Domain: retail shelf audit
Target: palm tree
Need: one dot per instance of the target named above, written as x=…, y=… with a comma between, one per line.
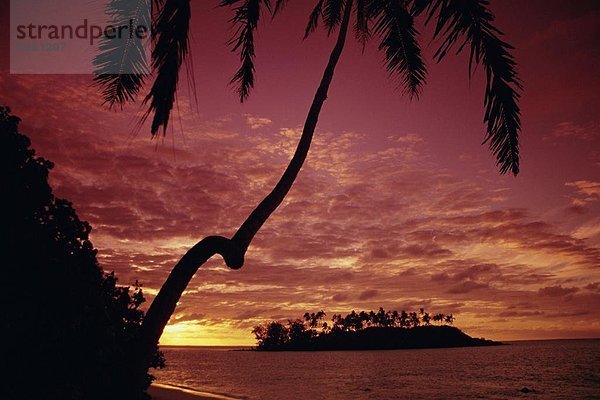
x=414, y=319
x=404, y=320
x=353, y=321
x=395, y=318
x=372, y=318
x=364, y=319
x=439, y=318
x=313, y=319
x=338, y=322
x=382, y=319
x=426, y=318
x=459, y=24
x=307, y=318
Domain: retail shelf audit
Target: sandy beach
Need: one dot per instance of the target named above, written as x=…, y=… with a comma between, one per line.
x=160, y=391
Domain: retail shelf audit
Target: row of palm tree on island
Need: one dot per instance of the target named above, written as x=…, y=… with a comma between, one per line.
x=311, y=326
x=385, y=319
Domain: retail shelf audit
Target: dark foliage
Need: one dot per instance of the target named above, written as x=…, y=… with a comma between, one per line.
x=377, y=338
x=459, y=24
x=246, y=17
x=470, y=24
x=67, y=324
x=122, y=55
x=395, y=25
x=364, y=331
x=170, y=34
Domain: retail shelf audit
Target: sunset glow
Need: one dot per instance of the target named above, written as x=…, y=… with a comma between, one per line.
x=398, y=206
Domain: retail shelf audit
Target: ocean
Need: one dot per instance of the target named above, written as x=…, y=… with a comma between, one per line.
x=555, y=369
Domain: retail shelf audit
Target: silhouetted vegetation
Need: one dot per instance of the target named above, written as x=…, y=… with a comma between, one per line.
x=364, y=330
x=460, y=26
x=68, y=326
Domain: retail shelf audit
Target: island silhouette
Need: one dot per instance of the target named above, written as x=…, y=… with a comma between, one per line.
x=381, y=330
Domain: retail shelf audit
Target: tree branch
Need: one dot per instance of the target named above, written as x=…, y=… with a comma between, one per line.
x=233, y=250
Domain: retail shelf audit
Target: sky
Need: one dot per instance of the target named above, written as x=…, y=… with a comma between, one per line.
x=398, y=205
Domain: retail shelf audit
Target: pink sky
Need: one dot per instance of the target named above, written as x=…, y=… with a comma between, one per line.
x=398, y=205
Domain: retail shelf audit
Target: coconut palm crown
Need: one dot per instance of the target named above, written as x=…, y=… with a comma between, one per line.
x=459, y=25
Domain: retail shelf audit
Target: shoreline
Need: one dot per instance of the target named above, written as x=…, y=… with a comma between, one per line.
x=163, y=391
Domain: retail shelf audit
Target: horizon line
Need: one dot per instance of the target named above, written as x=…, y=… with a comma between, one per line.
x=249, y=346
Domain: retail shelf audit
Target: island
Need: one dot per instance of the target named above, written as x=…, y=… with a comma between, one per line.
x=381, y=330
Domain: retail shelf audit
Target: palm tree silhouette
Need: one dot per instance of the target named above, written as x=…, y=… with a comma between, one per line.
x=414, y=319
x=404, y=320
x=459, y=25
x=439, y=318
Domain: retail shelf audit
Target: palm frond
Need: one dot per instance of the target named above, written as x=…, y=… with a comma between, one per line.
x=470, y=22
x=417, y=7
x=361, y=26
x=246, y=17
x=121, y=63
x=118, y=89
x=279, y=5
x=395, y=25
x=171, y=47
x=332, y=14
x=313, y=19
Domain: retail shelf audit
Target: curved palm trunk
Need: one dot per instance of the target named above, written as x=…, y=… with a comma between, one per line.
x=233, y=250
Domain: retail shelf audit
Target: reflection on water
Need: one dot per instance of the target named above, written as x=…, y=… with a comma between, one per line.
x=563, y=369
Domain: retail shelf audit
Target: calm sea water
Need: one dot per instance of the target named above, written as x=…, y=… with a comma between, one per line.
x=562, y=369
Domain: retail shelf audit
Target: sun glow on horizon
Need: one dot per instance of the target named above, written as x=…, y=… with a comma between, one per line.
x=193, y=333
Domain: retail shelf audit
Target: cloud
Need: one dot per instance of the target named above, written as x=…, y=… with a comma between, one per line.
x=587, y=192
x=339, y=297
x=257, y=122
x=441, y=277
x=368, y=294
x=595, y=287
x=359, y=216
x=467, y=287
x=519, y=314
x=475, y=271
x=571, y=130
x=557, y=291
x=182, y=317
